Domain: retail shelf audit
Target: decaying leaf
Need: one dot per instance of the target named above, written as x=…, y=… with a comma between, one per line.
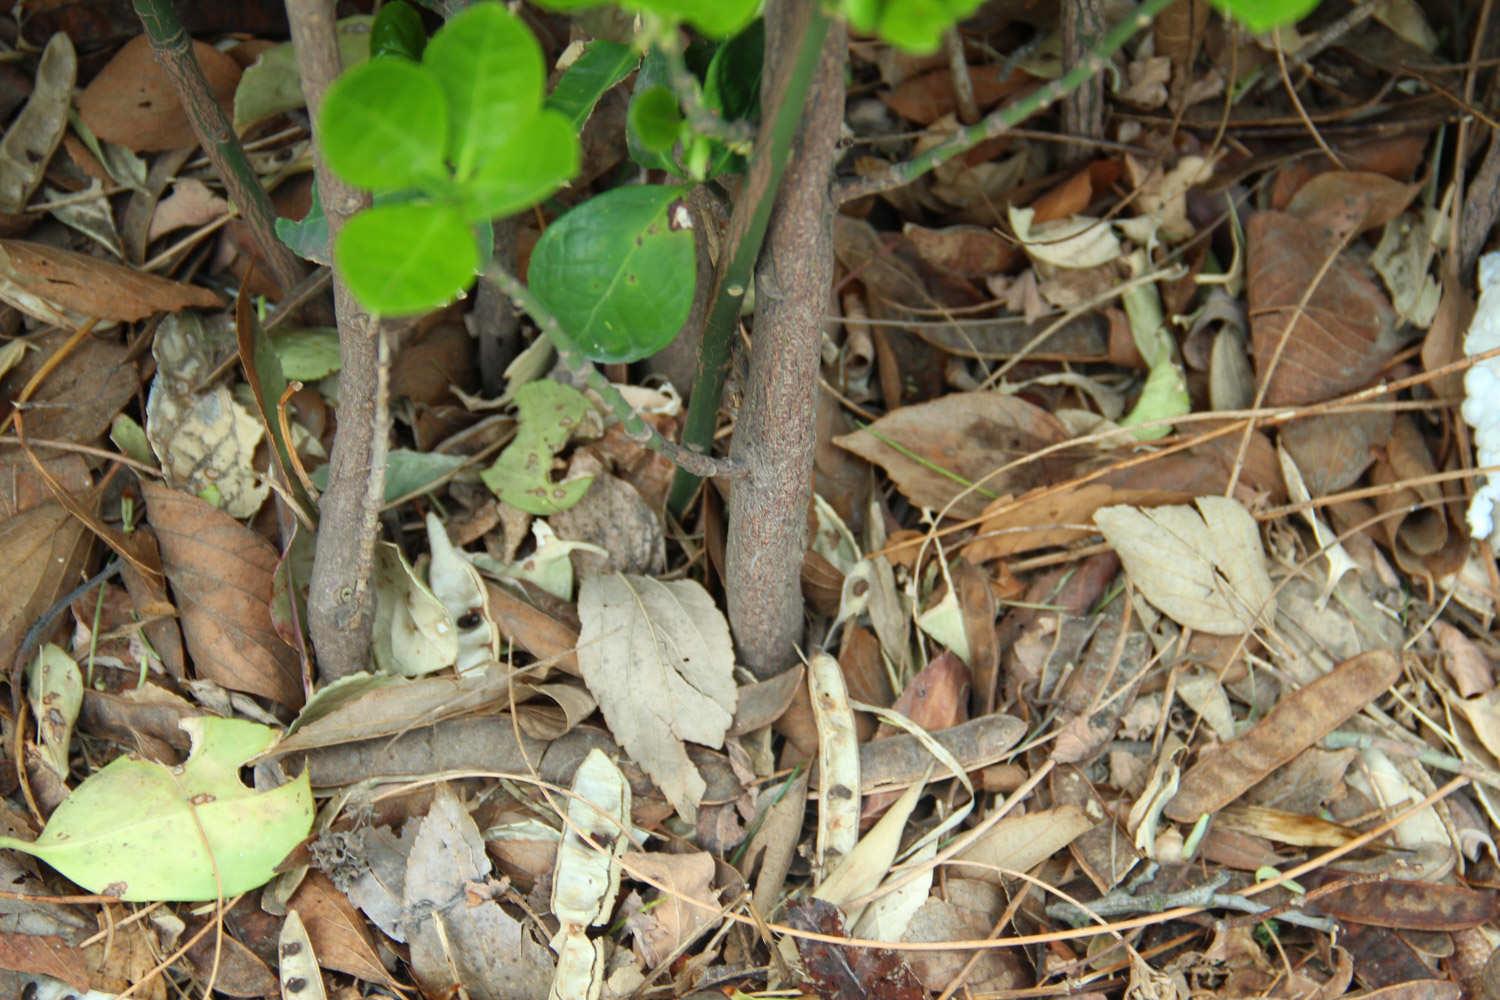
x=55, y=690
x=1204, y=568
x=587, y=879
x=66, y=288
x=456, y=584
x=33, y=137
x=675, y=918
x=657, y=657
x=413, y=633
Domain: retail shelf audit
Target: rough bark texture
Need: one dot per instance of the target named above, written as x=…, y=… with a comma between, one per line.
x=774, y=435
x=1083, y=109
x=340, y=603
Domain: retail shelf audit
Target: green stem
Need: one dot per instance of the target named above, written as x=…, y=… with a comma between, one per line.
x=174, y=50
x=1003, y=119
x=737, y=135
x=583, y=369
x=747, y=230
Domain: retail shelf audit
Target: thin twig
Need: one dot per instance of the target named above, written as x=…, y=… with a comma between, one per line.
x=1000, y=121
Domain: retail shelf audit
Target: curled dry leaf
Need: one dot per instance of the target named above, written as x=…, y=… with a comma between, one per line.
x=1299, y=720
x=657, y=657
x=1204, y=568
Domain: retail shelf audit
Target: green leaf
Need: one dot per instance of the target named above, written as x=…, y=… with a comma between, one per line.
x=401, y=259
x=715, y=18
x=130, y=438
x=271, y=85
x=731, y=86
x=602, y=65
x=406, y=471
x=491, y=69
x=914, y=25
x=143, y=831
x=384, y=125
x=655, y=119
x=308, y=236
x=522, y=475
x=398, y=31
x=1263, y=15
x=653, y=73
x=618, y=271
x=307, y=355
x=524, y=168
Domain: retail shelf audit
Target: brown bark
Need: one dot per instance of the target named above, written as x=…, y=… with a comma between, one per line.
x=340, y=603
x=774, y=435
x=1083, y=109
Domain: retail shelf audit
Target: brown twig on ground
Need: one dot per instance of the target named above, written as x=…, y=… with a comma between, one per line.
x=340, y=604
x=774, y=434
x=173, y=48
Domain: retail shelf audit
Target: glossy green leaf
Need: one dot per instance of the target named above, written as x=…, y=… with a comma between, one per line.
x=401, y=259
x=143, y=831
x=523, y=169
x=1263, y=15
x=715, y=18
x=602, y=65
x=521, y=476
x=398, y=31
x=618, y=271
x=384, y=125
x=652, y=74
x=731, y=85
x=308, y=236
x=655, y=119
x=490, y=66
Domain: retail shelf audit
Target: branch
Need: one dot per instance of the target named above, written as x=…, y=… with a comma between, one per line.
x=787, y=94
x=173, y=48
x=580, y=367
x=1002, y=119
x=340, y=603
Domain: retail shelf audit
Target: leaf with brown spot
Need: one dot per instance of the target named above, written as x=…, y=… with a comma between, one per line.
x=1346, y=332
x=1300, y=719
x=66, y=288
x=934, y=450
x=132, y=100
x=221, y=574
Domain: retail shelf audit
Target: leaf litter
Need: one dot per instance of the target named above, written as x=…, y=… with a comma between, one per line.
x=1199, y=700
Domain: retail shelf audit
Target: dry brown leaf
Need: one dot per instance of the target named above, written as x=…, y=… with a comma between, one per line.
x=1375, y=198
x=65, y=288
x=32, y=138
x=925, y=98
x=1334, y=449
x=1019, y=843
x=221, y=575
x=535, y=631
x=1344, y=335
x=1225, y=772
x=44, y=549
x=339, y=935
x=679, y=915
x=961, y=439
x=44, y=955
x=132, y=101
x=191, y=203
x=967, y=251
x=1408, y=904
x=79, y=398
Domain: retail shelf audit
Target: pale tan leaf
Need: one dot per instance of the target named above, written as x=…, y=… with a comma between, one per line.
x=413, y=633
x=657, y=657
x=677, y=917
x=1019, y=843
x=1203, y=568
x=456, y=583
